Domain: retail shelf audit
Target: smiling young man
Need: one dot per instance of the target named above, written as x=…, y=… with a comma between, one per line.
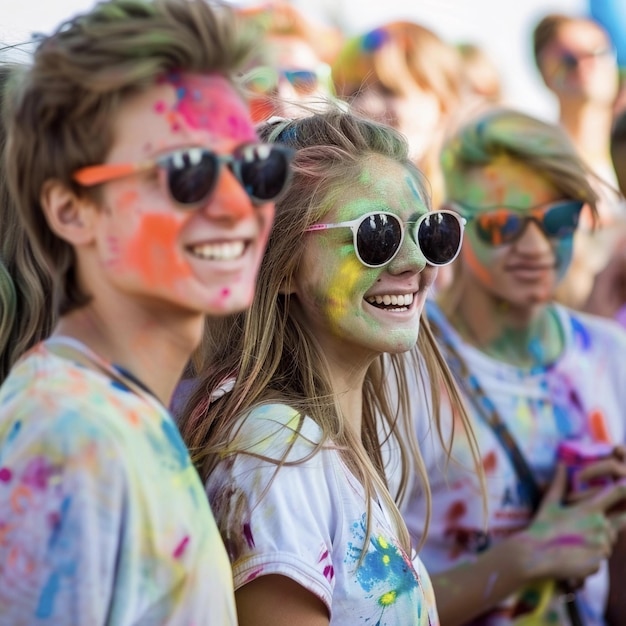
x=140, y=179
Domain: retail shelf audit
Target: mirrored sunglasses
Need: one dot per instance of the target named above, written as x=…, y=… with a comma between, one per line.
x=501, y=226
x=191, y=174
x=378, y=236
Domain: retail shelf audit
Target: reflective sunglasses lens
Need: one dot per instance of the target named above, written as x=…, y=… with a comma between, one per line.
x=499, y=227
x=439, y=237
x=378, y=238
x=191, y=175
x=263, y=171
x=303, y=81
x=561, y=220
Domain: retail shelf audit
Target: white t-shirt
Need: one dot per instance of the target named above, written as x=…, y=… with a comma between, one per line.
x=103, y=518
x=581, y=396
x=307, y=522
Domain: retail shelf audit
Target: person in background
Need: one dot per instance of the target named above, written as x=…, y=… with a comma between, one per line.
x=297, y=81
x=577, y=63
x=292, y=400
x=26, y=283
x=608, y=297
x=533, y=374
x=136, y=172
x=481, y=74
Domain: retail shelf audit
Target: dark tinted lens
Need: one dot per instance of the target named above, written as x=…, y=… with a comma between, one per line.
x=439, y=237
x=263, y=171
x=499, y=227
x=191, y=175
x=561, y=220
x=378, y=238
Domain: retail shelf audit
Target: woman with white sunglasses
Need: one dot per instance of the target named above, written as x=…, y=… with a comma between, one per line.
x=542, y=383
x=284, y=423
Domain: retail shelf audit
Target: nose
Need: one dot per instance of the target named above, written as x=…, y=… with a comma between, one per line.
x=229, y=201
x=409, y=258
x=284, y=89
x=533, y=241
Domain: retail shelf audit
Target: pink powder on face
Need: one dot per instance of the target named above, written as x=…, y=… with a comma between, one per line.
x=211, y=103
x=568, y=540
x=159, y=107
x=225, y=292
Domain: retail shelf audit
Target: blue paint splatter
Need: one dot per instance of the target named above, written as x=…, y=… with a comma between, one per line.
x=173, y=436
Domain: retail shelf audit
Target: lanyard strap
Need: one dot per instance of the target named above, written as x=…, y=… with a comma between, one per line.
x=488, y=412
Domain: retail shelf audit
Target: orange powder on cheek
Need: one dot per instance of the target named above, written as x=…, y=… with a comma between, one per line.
x=153, y=252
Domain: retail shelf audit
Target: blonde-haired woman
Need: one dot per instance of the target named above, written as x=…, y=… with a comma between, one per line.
x=534, y=375
x=284, y=425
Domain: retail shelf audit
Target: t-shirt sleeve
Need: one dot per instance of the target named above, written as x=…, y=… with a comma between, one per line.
x=61, y=505
x=278, y=520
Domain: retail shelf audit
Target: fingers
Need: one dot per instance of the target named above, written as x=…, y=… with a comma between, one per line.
x=611, y=467
x=607, y=497
x=558, y=488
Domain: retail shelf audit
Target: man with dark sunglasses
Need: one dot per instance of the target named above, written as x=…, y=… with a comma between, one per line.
x=140, y=180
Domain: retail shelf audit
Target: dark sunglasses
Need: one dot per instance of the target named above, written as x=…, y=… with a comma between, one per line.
x=378, y=236
x=191, y=174
x=571, y=60
x=501, y=226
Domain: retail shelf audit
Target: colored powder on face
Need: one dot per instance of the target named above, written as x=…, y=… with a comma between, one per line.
x=225, y=292
x=5, y=475
x=153, y=251
x=159, y=106
x=344, y=281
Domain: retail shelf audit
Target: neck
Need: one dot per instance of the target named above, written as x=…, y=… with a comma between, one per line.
x=589, y=126
x=347, y=381
x=154, y=352
x=522, y=336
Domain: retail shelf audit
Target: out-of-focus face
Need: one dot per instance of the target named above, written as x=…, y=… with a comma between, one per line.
x=416, y=113
x=580, y=63
x=201, y=259
x=524, y=272
x=297, y=83
x=353, y=310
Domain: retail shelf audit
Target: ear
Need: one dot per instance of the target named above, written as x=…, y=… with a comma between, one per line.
x=68, y=215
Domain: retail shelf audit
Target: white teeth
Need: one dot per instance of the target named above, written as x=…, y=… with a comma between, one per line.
x=226, y=251
x=401, y=301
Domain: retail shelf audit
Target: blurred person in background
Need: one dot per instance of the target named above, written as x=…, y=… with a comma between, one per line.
x=298, y=80
x=481, y=73
x=533, y=374
x=577, y=62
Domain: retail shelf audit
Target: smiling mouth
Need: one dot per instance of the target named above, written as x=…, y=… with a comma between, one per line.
x=391, y=303
x=223, y=251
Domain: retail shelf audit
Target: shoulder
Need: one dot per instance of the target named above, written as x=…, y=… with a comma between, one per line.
x=277, y=431
x=586, y=332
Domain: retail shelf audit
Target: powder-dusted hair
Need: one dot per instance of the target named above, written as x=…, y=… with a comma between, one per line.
x=271, y=353
x=396, y=54
x=543, y=147
x=61, y=113
x=26, y=310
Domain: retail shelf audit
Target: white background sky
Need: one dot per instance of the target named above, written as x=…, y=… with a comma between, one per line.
x=502, y=27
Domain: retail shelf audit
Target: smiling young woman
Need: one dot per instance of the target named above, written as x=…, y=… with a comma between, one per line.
x=293, y=403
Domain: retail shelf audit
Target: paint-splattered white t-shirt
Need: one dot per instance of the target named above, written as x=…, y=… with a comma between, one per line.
x=309, y=525
x=581, y=396
x=103, y=519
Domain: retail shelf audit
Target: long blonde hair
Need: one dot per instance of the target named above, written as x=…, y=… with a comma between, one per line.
x=272, y=355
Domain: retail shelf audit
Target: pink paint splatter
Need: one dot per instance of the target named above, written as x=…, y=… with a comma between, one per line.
x=568, y=540
x=160, y=106
x=181, y=547
x=329, y=572
x=5, y=474
x=225, y=292
x=252, y=575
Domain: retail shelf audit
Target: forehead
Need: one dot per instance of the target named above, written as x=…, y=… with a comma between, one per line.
x=292, y=52
x=505, y=182
x=382, y=184
x=579, y=35
x=185, y=108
